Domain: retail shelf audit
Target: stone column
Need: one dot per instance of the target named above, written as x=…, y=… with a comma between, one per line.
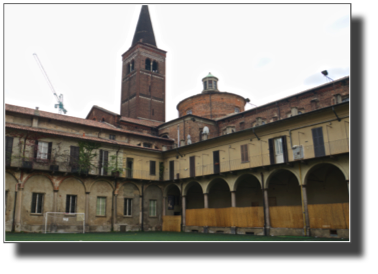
x=233, y=199
x=183, y=210
x=87, y=211
x=266, y=215
x=347, y=181
x=140, y=210
x=306, y=218
x=114, y=213
x=17, y=217
x=55, y=200
x=164, y=205
x=206, y=200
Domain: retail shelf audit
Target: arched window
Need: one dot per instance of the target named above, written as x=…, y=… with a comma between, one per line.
x=94, y=119
x=132, y=66
x=155, y=66
x=148, y=64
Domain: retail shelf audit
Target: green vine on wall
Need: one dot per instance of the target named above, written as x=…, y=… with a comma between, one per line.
x=86, y=155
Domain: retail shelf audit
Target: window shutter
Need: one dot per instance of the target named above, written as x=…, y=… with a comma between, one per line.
x=100, y=162
x=35, y=149
x=317, y=136
x=34, y=200
x=271, y=151
x=40, y=201
x=68, y=203
x=106, y=162
x=152, y=167
x=73, y=205
x=284, y=147
x=49, y=151
x=9, y=145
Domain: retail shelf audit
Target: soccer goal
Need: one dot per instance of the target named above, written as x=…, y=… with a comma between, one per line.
x=61, y=222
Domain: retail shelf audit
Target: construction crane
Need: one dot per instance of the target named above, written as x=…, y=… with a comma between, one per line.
x=59, y=98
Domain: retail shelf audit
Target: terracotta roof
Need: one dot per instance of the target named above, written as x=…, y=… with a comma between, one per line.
x=147, y=123
x=103, y=109
x=71, y=119
x=72, y=135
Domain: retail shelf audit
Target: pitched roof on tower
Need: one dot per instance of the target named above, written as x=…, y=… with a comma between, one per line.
x=144, y=32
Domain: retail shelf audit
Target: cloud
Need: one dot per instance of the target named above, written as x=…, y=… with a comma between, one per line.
x=263, y=62
x=340, y=24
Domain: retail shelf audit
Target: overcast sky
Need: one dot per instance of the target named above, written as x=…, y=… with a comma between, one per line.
x=261, y=52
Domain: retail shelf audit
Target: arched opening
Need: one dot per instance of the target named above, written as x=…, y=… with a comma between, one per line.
x=10, y=196
x=248, y=191
x=219, y=194
x=284, y=199
x=173, y=201
x=132, y=66
x=148, y=64
x=128, y=207
x=152, y=208
x=327, y=198
x=194, y=196
x=155, y=66
x=100, y=207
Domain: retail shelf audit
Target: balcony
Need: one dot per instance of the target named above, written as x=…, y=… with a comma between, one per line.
x=306, y=152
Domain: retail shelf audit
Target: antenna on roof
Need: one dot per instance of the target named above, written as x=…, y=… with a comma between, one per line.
x=325, y=73
x=58, y=98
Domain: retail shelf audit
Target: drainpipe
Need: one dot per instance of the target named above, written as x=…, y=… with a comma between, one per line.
x=14, y=209
x=333, y=109
x=253, y=130
x=141, y=225
x=290, y=130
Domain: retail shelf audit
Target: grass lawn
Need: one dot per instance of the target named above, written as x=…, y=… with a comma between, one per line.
x=153, y=236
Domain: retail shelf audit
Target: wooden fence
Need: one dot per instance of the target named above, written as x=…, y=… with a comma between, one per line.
x=331, y=216
x=172, y=223
x=226, y=217
x=286, y=216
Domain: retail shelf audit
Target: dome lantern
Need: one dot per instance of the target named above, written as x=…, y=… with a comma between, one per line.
x=210, y=83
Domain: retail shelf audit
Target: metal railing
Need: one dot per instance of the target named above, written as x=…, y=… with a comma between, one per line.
x=308, y=152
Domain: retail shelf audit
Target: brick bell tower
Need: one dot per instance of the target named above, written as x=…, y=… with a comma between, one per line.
x=143, y=74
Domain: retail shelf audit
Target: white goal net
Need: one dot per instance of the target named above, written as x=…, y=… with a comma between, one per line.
x=61, y=222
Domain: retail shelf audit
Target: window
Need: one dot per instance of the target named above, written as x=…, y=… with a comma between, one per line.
x=189, y=111
x=71, y=203
x=8, y=150
x=43, y=150
x=152, y=209
x=192, y=163
x=205, y=85
x=129, y=167
x=101, y=206
x=147, y=145
x=37, y=202
x=112, y=137
x=74, y=159
x=152, y=168
x=237, y=109
x=127, y=207
x=154, y=66
x=244, y=153
x=103, y=162
x=345, y=99
x=278, y=150
x=171, y=170
x=210, y=83
x=317, y=137
x=215, y=85
x=132, y=66
x=148, y=64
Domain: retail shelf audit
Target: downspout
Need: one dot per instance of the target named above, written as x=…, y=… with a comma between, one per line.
x=141, y=225
x=333, y=109
x=14, y=209
x=262, y=183
x=290, y=130
x=181, y=208
x=253, y=130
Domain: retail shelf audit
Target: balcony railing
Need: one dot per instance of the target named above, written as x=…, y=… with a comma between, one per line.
x=306, y=152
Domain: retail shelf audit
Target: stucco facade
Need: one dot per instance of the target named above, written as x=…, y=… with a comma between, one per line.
x=277, y=169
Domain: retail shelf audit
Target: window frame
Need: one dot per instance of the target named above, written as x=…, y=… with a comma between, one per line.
x=244, y=153
x=153, y=170
x=70, y=204
x=150, y=209
x=37, y=197
x=128, y=207
x=104, y=205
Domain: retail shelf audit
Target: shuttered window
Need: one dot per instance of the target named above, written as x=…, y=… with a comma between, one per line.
x=8, y=153
x=244, y=153
x=192, y=166
x=152, y=168
x=278, y=150
x=103, y=162
x=74, y=158
x=171, y=170
x=317, y=137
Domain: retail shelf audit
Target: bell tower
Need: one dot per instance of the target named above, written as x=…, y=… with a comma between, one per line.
x=143, y=74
